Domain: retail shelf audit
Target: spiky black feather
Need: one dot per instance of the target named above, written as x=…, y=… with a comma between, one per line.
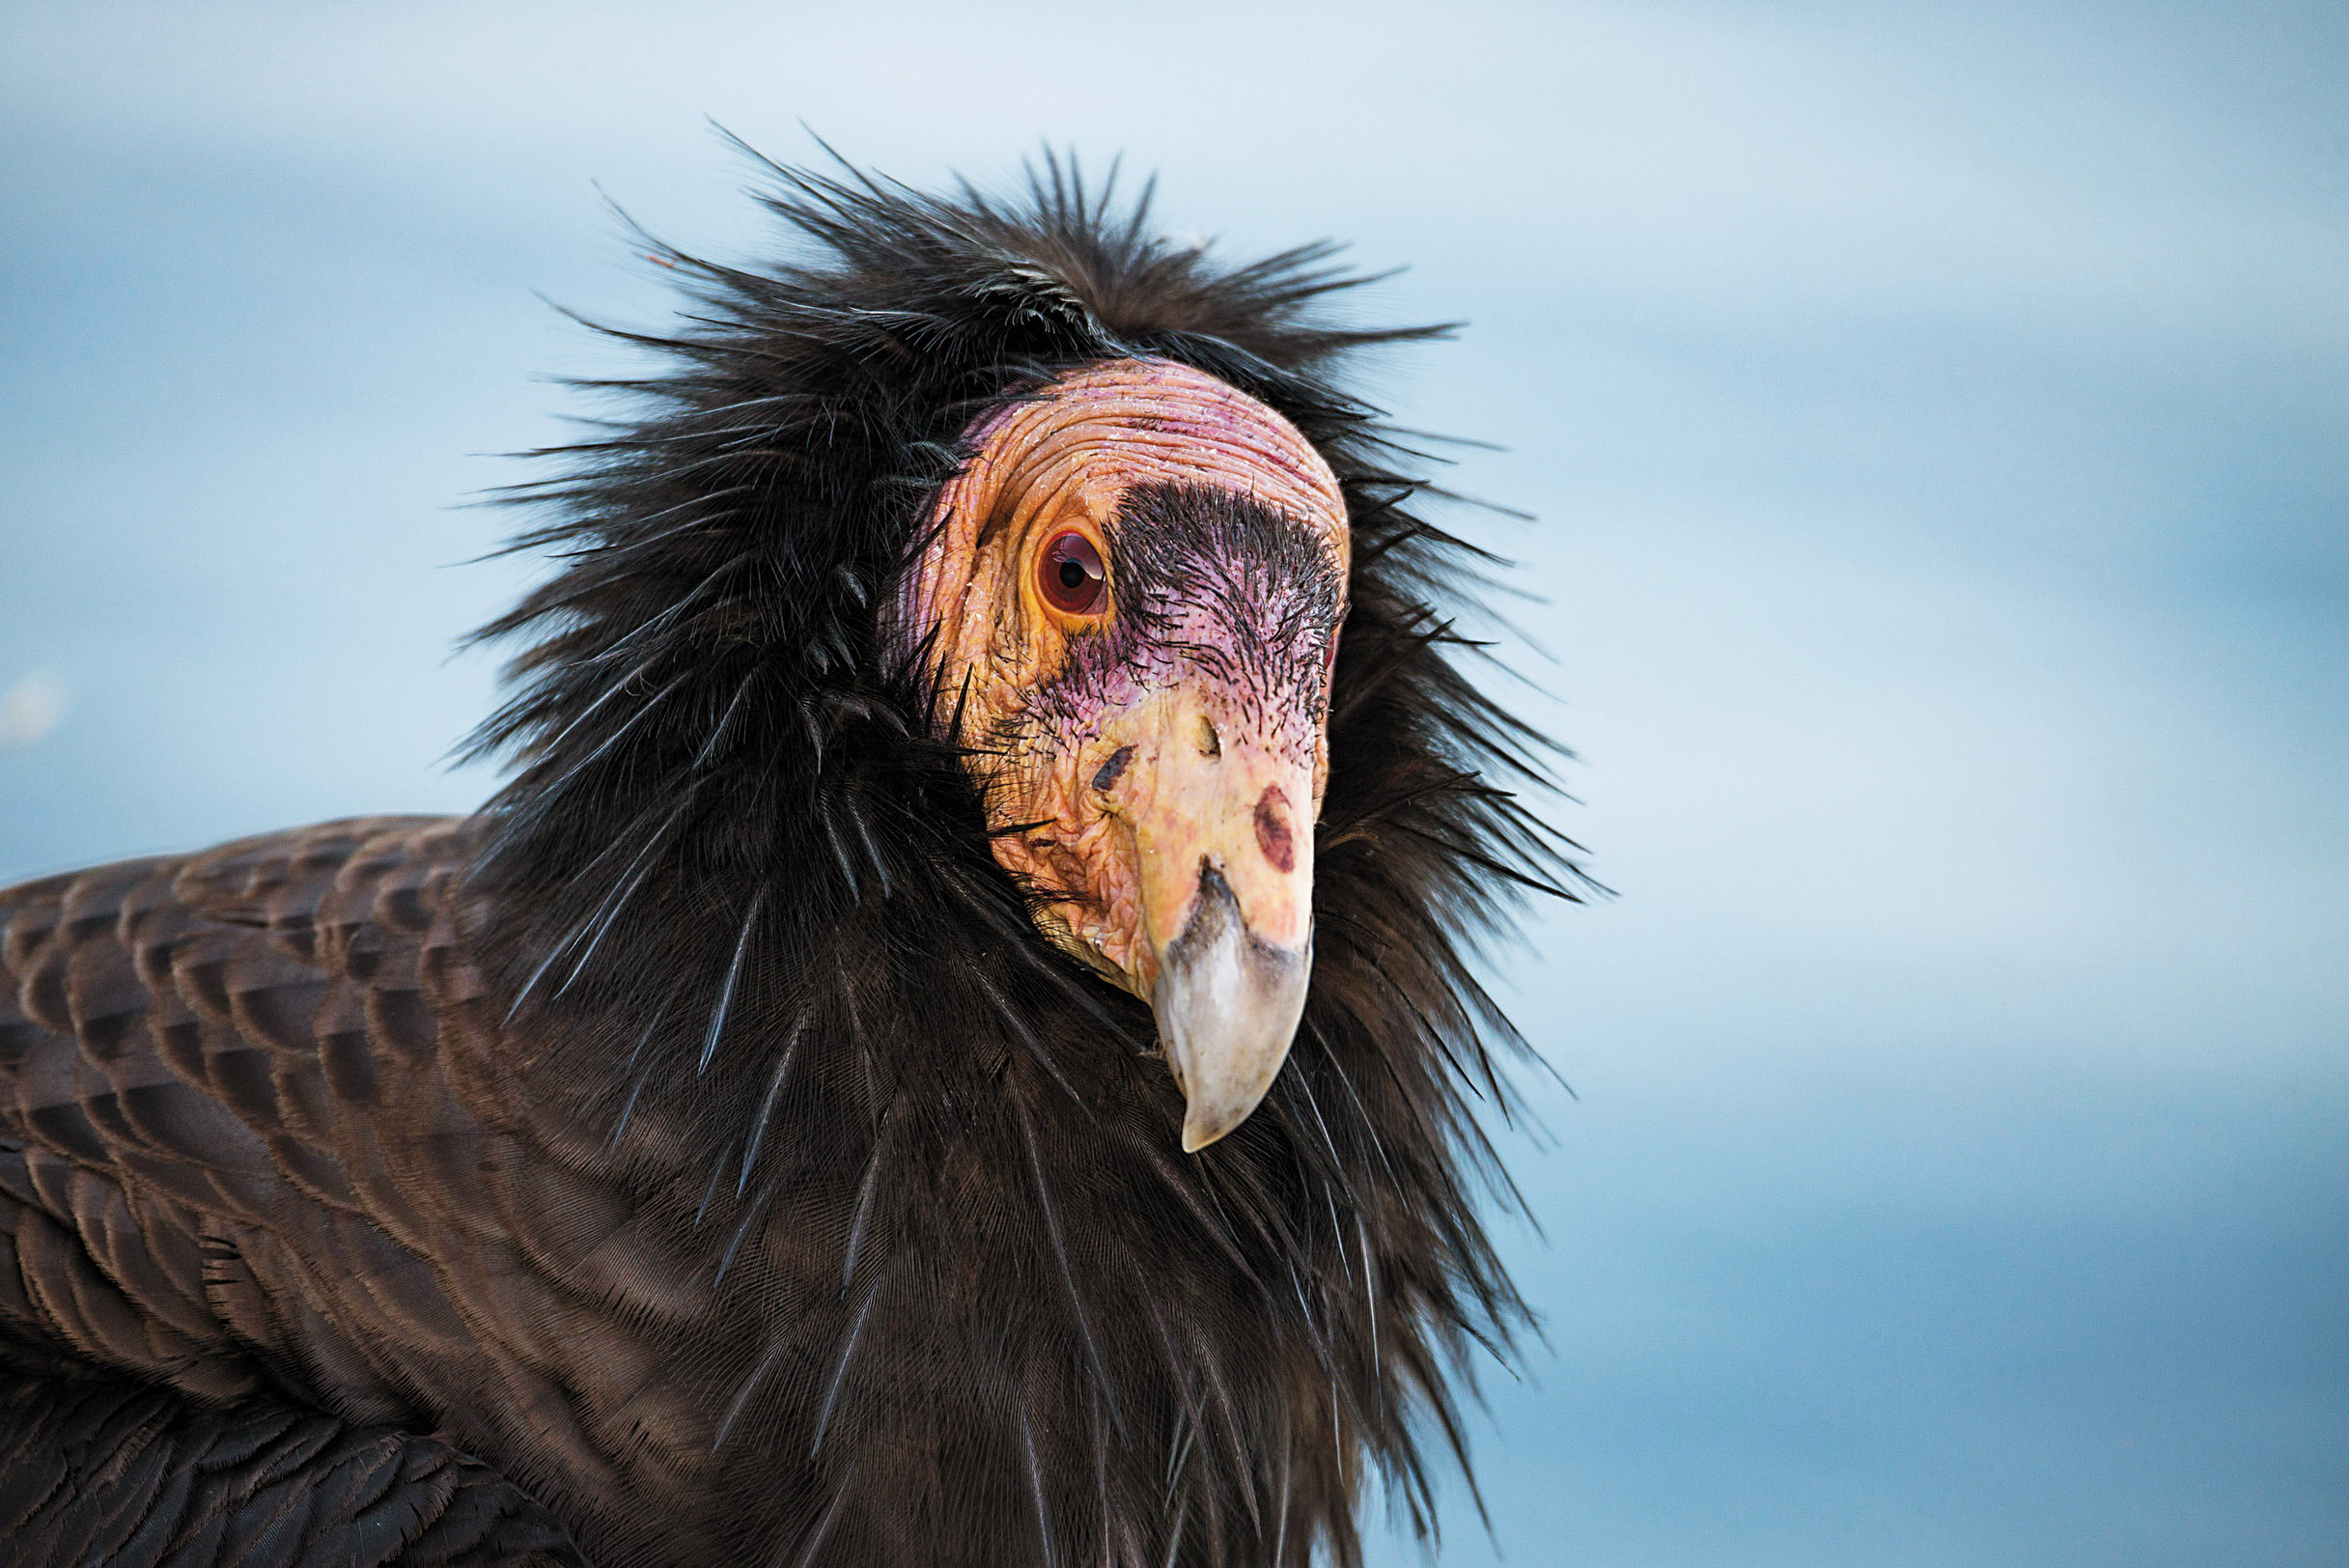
x=730, y=816
x=704, y=1138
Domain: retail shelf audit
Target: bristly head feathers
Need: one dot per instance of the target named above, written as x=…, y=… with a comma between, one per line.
x=739, y=898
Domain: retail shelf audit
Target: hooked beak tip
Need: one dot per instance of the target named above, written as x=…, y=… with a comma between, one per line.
x=1227, y=1006
x=1198, y=1133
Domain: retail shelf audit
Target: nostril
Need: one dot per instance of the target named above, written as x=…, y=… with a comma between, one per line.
x=1273, y=834
x=1115, y=768
x=1211, y=745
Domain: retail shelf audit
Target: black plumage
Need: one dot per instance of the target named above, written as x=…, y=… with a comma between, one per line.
x=698, y=1156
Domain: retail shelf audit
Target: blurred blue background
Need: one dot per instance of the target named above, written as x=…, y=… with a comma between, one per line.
x=1935, y=416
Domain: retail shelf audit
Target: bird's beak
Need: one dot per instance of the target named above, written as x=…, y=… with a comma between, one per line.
x=1222, y=829
x=1227, y=1003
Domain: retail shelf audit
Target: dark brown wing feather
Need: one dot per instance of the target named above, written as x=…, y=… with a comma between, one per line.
x=137, y=1477
x=235, y=1167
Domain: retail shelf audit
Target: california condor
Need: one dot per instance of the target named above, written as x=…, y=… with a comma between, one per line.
x=955, y=1043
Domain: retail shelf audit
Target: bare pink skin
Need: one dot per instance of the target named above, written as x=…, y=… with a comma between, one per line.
x=1125, y=776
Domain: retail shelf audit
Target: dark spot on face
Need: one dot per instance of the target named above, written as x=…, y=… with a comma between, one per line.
x=1273, y=829
x=1115, y=768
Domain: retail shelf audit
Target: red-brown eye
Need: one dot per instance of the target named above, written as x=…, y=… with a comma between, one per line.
x=1071, y=577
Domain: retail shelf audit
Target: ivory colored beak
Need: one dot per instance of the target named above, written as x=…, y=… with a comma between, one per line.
x=1223, y=831
x=1227, y=1004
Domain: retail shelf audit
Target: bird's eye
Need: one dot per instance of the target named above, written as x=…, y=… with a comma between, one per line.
x=1071, y=577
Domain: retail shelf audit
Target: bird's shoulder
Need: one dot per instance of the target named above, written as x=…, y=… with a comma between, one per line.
x=196, y=1052
x=265, y=1132
x=262, y=978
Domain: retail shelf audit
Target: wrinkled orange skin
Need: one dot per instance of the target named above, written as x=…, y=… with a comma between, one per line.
x=1062, y=458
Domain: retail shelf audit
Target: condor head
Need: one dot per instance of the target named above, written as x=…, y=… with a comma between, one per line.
x=1126, y=603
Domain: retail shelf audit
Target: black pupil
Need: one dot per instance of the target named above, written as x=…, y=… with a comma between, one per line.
x=1072, y=575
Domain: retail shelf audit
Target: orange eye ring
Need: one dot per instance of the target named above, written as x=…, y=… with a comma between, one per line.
x=1071, y=576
